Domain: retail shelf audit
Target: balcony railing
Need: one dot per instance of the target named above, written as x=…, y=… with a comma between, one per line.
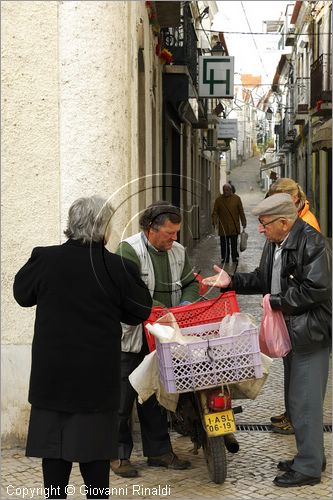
x=321, y=87
x=281, y=132
x=302, y=95
x=181, y=41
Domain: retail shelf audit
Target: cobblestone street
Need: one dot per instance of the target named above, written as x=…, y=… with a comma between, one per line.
x=252, y=469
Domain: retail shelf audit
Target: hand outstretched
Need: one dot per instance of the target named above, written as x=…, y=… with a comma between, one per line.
x=220, y=280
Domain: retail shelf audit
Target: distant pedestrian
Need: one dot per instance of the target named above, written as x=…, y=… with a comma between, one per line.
x=273, y=176
x=295, y=269
x=227, y=214
x=82, y=293
x=233, y=189
x=281, y=424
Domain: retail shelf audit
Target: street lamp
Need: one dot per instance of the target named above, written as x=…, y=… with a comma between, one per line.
x=278, y=117
x=269, y=114
x=218, y=49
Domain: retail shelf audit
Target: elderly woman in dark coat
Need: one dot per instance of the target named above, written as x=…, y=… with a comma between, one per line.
x=82, y=293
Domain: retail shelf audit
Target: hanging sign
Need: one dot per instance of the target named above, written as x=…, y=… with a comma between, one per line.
x=216, y=76
x=227, y=129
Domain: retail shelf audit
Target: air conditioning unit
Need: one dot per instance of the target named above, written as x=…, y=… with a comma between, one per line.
x=211, y=144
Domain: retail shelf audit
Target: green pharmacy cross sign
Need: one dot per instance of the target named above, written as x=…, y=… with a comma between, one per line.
x=216, y=76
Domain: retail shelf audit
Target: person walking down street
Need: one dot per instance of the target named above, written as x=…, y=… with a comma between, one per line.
x=233, y=189
x=165, y=268
x=82, y=293
x=273, y=176
x=227, y=214
x=281, y=424
x=295, y=269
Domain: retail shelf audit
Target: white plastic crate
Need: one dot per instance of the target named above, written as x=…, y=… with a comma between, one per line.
x=210, y=361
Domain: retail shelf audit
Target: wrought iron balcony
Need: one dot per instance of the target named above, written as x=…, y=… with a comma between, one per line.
x=302, y=95
x=290, y=37
x=285, y=135
x=321, y=86
x=181, y=41
x=301, y=99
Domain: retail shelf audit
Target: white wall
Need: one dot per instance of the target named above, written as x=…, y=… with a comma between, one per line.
x=70, y=129
x=30, y=179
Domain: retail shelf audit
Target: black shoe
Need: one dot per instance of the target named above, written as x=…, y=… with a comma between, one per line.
x=294, y=478
x=169, y=460
x=285, y=465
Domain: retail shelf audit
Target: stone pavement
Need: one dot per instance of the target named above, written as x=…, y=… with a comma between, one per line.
x=252, y=469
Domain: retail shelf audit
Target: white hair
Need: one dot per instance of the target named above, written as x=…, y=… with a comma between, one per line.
x=88, y=219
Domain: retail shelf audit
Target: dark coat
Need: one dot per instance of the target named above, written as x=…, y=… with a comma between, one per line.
x=305, y=297
x=227, y=212
x=82, y=293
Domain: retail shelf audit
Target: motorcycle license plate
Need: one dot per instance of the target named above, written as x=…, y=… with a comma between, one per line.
x=220, y=423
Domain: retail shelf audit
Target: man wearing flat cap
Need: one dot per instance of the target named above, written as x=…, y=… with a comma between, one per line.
x=295, y=269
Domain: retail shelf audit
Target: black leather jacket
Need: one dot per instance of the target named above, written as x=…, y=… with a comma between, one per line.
x=305, y=297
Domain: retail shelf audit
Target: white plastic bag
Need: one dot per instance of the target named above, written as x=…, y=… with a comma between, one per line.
x=145, y=380
x=236, y=323
x=166, y=329
x=243, y=241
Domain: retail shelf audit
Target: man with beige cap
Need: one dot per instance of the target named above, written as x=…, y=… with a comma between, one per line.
x=295, y=269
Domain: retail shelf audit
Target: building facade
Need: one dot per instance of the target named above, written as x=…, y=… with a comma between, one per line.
x=302, y=102
x=98, y=98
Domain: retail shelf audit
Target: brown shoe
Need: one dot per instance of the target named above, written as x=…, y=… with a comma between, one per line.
x=283, y=427
x=278, y=418
x=169, y=460
x=123, y=468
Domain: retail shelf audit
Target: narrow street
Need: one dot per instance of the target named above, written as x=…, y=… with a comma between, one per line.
x=252, y=469
x=114, y=106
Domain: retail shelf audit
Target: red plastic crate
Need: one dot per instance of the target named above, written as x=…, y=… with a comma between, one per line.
x=199, y=313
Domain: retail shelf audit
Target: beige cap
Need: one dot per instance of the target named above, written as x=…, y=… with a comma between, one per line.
x=278, y=204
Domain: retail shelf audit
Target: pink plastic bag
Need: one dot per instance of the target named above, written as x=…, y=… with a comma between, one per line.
x=274, y=338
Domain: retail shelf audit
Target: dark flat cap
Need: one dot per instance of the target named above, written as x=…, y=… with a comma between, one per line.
x=277, y=204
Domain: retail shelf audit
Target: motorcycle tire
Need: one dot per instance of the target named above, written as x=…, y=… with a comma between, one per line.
x=216, y=459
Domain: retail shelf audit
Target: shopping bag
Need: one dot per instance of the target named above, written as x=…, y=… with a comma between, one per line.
x=236, y=324
x=250, y=389
x=274, y=340
x=243, y=241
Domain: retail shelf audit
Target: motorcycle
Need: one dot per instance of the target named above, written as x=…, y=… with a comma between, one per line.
x=204, y=411
x=207, y=417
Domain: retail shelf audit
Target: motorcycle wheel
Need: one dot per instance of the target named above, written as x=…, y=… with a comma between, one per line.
x=215, y=455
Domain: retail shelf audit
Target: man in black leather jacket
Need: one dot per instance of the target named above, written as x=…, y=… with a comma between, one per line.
x=295, y=269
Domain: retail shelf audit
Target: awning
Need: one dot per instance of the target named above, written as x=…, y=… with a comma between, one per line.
x=273, y=164
x=322, y=136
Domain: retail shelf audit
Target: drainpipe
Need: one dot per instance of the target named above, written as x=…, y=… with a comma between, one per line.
x=326, y=48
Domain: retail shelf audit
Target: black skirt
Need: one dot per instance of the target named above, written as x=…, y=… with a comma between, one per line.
x=75, y=437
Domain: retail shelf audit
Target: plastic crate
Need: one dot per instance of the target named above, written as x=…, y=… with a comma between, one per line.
x=206, y=311
x=209, y=361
